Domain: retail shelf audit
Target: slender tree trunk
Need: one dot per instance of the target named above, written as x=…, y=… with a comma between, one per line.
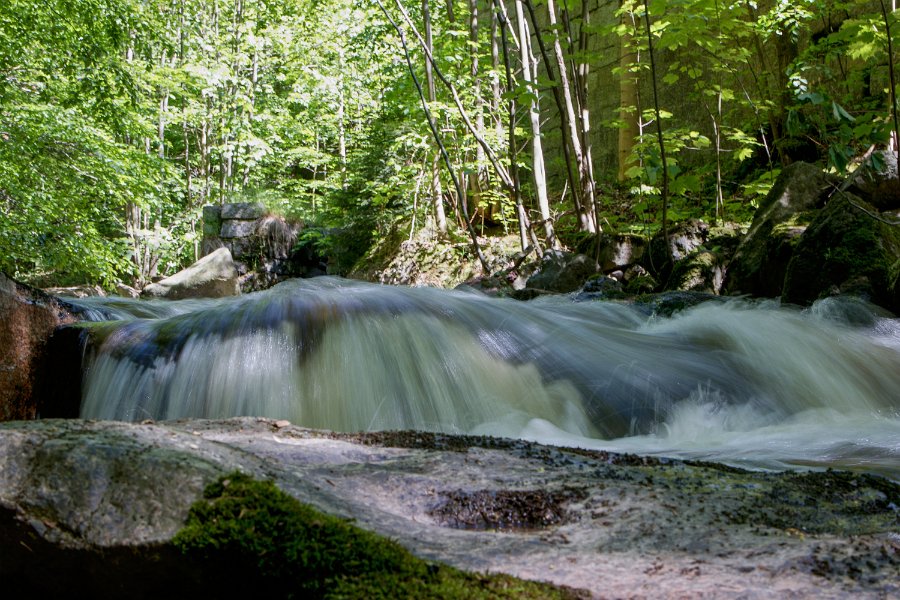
x=475, y=176
x=564, y=121
x=515, y=188
x=584, y=130
x=534, y=113
x=436, y=192
x=585, y=206
x=629, y=113
x=254, y=79
x=434, y=132
x=892, y=96
x=659, y=133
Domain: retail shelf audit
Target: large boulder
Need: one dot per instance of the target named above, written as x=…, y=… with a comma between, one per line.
x=760, y=262
x=90, y=509
x=684, y=239
x=703, y=270
x=619, y=251
x=28, y=317
x=563, y=272
x=878, y=181
x=848, y=249
x=213, y=276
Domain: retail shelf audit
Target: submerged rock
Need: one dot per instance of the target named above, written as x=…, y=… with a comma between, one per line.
x=99, y=503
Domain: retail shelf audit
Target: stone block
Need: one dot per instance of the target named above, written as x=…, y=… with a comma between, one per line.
x=243, y=210
x=234, y=228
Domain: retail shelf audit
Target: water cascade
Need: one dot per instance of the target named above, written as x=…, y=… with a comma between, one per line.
x=746, y=383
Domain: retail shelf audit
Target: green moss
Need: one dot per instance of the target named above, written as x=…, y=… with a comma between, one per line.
x=249, y=535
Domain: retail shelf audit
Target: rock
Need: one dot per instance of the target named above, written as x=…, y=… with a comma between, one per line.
x=620, y=251
x=666, y=304
x=213, y=276
x=28, y=317
x=126, y=291
x=245, y=211
x=684, y=238
x=760, y=262
x=236, y=229
x=77, y=291
x=600, y=287
x=562, y=272
x=701, y=271
x=877, y=181
x=96, y=504
x=847, y=249
x=639, y=281
x=212, y=220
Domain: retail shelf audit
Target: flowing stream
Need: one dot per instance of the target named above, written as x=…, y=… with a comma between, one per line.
x=752, y=384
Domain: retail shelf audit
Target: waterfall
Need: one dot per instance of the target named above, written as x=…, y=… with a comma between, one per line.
x=743, y=382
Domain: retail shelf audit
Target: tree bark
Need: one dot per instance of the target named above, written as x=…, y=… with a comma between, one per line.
x=537, y=151
x=437, y=199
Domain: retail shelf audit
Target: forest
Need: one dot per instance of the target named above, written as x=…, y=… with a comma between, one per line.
x=551, y=120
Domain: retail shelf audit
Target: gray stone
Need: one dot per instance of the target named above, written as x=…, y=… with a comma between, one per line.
x=213, y=276
x=626, y=525
x=847, y=249
x=759, y=264
x=243, y=210
x=562, y=272
x=878, y=184
x=234, y=228
x=212, y=213
x=210, y=245
x=621, y=250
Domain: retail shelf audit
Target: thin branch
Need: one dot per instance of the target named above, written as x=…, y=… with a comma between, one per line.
x=437, y=137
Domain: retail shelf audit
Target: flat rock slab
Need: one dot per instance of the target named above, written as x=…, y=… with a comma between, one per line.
x=620, y=526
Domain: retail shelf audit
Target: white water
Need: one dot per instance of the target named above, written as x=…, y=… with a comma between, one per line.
x=756, y=385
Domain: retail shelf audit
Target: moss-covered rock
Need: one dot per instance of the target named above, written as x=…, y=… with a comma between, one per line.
x=563, y=272
x=846, y=249
x=247, y=535
x=683, y=239
x=760, y=262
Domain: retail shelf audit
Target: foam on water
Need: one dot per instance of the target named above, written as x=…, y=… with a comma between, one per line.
x=754, y=384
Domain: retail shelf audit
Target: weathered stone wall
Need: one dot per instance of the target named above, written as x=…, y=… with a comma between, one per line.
x=232, y=226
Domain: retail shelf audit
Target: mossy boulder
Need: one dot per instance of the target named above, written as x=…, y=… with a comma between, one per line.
x=249, y=536
x=847, y=249
x=563, y=272
x=760, y=262
x=618, y=251
x=683, y=239
x=701, y=271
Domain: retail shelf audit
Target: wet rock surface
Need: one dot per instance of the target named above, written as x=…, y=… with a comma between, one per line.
x=27, y=319
x=618, y=525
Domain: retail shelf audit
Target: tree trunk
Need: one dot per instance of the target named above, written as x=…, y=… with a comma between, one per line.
x=476, y=174
x=629, y=109
x=529, y=67
x=437, y=200
x=515, y=188
x=585, y=205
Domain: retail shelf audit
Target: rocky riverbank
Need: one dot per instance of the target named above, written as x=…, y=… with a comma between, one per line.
x=77, y=497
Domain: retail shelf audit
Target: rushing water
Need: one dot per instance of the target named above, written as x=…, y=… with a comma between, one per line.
x=745, y=383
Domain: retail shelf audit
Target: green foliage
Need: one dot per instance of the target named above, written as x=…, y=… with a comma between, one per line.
x=248, y=536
